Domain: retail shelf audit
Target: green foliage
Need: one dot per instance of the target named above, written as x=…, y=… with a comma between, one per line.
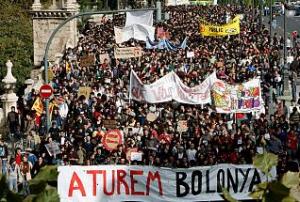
x=226, y=196
x=265, y=162
x=40, y=188
x=276, y=191
x=15, y=39
x=295, y=193
x=286, y=190
x=6, y=194
x=86, y=5
x=13, y=197
x=29, y=198
x=48, y=195
x=37, y=186
x=47, y=174
x=290, y=179
x=41, y=185
x=3, y=186
x=260, y=191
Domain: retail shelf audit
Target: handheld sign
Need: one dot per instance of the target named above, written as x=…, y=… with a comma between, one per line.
x=46, y=91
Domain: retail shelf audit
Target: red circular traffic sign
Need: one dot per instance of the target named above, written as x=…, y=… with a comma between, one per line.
x=112, y=139
x=46, y=91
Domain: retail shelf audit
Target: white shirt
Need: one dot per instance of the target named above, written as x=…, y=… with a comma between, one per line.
x=191, y=154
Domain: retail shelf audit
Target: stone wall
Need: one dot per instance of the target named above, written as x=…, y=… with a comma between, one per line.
x=44, y=22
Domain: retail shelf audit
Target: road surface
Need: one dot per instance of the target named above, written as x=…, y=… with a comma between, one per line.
x=292, y=24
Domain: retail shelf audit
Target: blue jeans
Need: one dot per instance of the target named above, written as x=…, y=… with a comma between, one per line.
x=26, y=187
x=13, y=184
x=4, y=166
x=294, y=90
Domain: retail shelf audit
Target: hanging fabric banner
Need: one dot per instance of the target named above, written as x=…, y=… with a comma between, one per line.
x=107, y=183
x=165, y=44
x=169, y=88
x=231, y=28
x=241, y=98
x=136, y=31
x=221, y=93
x=139, y=17
x=248, y=97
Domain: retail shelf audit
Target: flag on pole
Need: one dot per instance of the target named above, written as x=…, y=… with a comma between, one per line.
x=52, y=104
x=68, y=67
x=38, y=106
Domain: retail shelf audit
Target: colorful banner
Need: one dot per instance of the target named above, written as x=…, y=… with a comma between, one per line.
x=242, y=98
x=117, y=183
x=131, y=52
x=169, y=88
x=231, y=28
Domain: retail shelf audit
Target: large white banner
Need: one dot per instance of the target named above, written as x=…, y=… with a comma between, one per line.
x=136, y=31
x=199, y=94
x=139, y=17
x=115, y=183
x=169, y=88
x=123, y=34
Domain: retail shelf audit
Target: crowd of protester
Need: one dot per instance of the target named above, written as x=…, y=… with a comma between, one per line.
x=77, y=122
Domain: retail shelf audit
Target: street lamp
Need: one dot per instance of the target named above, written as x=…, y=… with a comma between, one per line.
x=271, y=20
x=287, y=96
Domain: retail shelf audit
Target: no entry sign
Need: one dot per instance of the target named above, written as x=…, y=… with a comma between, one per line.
x=46, y=91
x=112, y=139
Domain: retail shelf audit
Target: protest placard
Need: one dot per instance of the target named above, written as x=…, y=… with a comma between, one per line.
x=84, y=90
x=109, y=123
x=53, y=148
x=87, y=60
x=132, y=52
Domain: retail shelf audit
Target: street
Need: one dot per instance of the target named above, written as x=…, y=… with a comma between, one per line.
x=292, y=24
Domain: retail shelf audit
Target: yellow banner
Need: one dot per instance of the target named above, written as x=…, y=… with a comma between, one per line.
x=231, y=28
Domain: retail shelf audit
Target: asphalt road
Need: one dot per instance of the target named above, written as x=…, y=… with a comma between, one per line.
x=292, y=24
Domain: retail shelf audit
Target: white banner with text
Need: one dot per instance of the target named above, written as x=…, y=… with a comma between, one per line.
x=115, y=183
x=170, y=87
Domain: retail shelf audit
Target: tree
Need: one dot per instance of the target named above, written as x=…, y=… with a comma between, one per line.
x=15, y=40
